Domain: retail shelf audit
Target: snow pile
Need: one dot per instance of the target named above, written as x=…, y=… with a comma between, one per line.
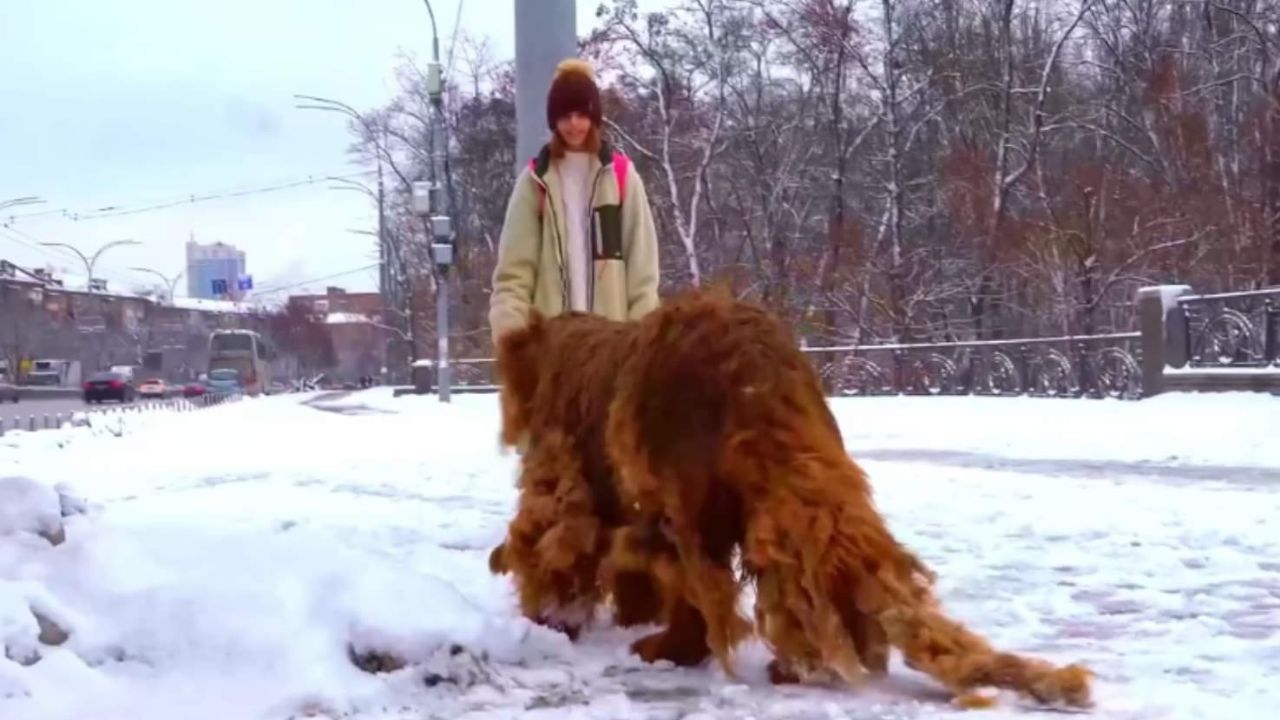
x=325, y=556
x=270, y=598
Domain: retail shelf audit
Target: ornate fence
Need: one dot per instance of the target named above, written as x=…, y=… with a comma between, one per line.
x=1240, y=329
x=1092, y=366
x=1228, y=341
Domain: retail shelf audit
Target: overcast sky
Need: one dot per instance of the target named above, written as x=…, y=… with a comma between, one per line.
x=131, y=103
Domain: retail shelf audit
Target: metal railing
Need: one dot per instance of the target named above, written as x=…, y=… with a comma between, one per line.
x=1068, y=366
x=32, y=422
x=1233, y=330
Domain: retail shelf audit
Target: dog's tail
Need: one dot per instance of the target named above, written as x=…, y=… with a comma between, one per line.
x=948, y=651
x=836, y=574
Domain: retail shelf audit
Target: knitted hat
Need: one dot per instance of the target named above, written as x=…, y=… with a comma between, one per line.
x=573, y=88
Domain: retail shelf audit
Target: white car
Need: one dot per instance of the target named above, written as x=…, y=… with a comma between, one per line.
x=153, y=388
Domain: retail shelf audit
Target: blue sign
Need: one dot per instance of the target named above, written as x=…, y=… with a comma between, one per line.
x=219, y=286
x=245, y=282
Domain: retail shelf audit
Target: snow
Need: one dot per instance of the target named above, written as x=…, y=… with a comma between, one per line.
x=346, y=318
x=1229, y=429
x=230, y=562
x=1188, y=370
x=1169, y=294
x=217, y=306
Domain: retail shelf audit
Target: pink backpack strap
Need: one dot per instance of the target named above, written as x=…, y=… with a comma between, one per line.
x=620, y=164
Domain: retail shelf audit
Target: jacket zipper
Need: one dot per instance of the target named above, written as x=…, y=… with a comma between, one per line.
x=560, y=250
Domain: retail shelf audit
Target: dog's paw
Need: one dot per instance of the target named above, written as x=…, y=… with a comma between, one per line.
x=683, y=652
x=498, y=559
x=568, y=629
x=780, y=674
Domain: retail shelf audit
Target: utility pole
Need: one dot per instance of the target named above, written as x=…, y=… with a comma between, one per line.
x=431, y=203
x=546, y=33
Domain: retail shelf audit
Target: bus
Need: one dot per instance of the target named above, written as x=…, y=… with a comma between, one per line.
x=244, y=352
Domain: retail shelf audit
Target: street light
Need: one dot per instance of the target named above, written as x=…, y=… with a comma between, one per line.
x=170, y=282
x=90, y=261
x=389, y=253
x=15, y=202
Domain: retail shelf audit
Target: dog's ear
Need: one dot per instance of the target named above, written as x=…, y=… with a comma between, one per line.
x=518, y=357
x=518, y=348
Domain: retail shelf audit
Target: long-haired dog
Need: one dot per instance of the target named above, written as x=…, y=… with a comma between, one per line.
x=719, y=439
x=573, y=545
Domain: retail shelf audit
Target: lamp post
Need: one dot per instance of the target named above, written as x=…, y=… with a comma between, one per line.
x=392, y=277
x=92, y=260
x=170, y=282
x=15, y=202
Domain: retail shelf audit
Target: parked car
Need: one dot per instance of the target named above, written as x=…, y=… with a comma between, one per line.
x=153, y=388
x=108, y=386
x=224, y=380
x=8, y=391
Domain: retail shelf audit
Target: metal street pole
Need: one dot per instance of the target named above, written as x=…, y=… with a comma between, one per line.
x=170, y=282
x=546, y=33
x=435, y=210
x=91, y=261
x=392, y=293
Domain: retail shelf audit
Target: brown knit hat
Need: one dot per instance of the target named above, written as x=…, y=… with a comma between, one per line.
x=573, y=88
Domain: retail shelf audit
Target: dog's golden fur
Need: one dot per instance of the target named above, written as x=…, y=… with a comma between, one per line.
x=699, y=431
x=573, y=544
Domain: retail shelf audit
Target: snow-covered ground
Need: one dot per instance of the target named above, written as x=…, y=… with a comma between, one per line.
x=227, y=563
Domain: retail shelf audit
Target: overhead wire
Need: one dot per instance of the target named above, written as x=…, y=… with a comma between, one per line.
x=302, y=283
x=118, y=210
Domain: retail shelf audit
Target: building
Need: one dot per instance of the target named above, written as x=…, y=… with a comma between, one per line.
x=43, y=316
x=338, y=300
x=215, y=271
x=356, y=324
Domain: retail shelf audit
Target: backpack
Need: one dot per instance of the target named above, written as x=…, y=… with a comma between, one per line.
x=620, y=165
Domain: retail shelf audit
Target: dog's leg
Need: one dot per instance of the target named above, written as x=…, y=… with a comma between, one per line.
x=683, y=642
x=713, y=591
x=869, y=639
x=627, y=574
x=795, y=660
x=788, y=543
x=645, y=579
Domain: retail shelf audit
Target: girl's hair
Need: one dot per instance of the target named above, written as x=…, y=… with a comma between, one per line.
x=591, y=145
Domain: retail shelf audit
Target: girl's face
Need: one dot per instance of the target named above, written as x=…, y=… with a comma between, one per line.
x=574, y=129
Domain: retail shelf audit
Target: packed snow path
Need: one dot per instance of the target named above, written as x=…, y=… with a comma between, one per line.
x=230, y=561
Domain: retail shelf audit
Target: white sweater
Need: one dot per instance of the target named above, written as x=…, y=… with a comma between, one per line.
x=575, y=178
